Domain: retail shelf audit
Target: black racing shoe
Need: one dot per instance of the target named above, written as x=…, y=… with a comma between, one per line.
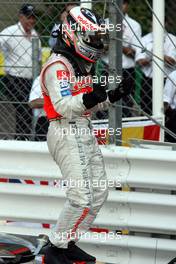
x=173, y=261
x=74, y=253
x=55, y=255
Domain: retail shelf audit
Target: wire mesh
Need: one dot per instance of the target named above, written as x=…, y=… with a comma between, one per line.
x=18, y=120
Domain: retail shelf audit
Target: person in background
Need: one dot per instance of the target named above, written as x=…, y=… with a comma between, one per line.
x=131, y=33
x=145, y=60
x=62, y=15
x=169, y=98
x=16, y=44
x=36, y=102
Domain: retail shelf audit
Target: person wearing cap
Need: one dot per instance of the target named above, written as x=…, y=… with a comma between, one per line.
x=16, y=44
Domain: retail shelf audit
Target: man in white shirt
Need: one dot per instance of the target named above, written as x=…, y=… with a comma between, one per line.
x=36, y=102
x=16, y=44
x=130, y=39
x=145, y=59
x=169, y=98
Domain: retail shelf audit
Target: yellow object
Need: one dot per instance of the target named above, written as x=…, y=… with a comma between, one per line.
x=131, y=132
x=126, y=188
x=2, y=64
x=45, y=54
x=125, y=232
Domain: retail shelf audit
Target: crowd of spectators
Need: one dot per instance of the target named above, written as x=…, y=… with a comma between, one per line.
x=24, y=93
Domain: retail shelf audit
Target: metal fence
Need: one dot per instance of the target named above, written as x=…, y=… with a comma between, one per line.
x=19, y=121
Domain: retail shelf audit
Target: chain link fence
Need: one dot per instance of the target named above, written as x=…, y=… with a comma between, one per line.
x=24, y=121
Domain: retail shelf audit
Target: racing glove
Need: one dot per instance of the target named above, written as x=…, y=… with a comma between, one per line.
x=118, y=93
x=98, y=95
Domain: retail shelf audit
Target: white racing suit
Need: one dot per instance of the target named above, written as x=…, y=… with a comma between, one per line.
x=74, y=148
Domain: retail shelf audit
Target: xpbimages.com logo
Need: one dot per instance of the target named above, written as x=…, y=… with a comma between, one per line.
x=103, y=80
x=72, y=130
x=104, y=28
x=102, y=184
x=101, y=237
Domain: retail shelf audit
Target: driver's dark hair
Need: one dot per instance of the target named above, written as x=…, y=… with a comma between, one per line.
x=126, y=1
x=66, y=5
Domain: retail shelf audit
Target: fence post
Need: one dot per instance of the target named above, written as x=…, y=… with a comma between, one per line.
x=36, y=67
x=35, y=57
x=115, y=68
x=158, y=50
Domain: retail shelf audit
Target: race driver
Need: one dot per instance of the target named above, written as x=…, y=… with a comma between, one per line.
x=69, y=97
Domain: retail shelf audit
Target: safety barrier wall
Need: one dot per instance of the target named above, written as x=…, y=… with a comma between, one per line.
x=149, y=208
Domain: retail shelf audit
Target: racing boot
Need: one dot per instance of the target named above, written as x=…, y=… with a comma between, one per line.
x=54, y=255
x=173, y=261
x=76, y=254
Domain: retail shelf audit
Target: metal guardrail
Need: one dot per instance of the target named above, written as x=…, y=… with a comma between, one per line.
x=133, y=167
x=144, y=212
x=135, y=211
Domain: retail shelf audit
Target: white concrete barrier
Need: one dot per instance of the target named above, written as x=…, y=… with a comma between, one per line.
x=131, y=166
x=135, y=211
x=143, y=212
